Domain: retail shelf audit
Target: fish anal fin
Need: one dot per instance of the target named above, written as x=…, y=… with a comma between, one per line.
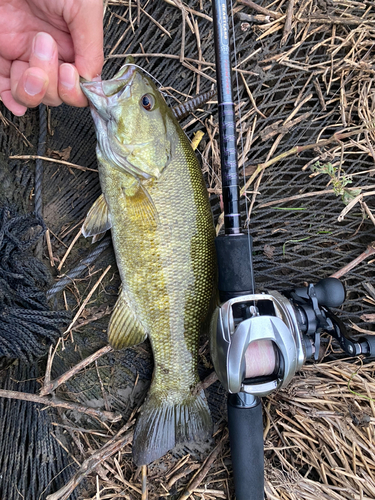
x=98, y=219
x=161, y=425
x=124, y=328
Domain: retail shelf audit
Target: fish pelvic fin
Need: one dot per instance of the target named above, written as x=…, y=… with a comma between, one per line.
x=163, y=424
x=98, y=220
x=124, y=329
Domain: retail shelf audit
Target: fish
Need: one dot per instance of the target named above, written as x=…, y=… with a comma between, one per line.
x=154, y=200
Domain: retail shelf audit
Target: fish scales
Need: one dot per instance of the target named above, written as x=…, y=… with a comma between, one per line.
x=155, y=201
x=167, y=269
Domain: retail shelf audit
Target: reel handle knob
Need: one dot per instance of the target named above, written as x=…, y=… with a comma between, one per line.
x=330, y=292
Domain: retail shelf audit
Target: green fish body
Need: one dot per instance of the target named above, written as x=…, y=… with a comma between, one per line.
x=155, y=202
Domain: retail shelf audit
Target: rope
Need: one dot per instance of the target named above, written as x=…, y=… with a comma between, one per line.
x=80, y=269
x=27, y=325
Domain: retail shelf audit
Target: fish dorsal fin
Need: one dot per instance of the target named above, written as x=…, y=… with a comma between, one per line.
x=124, y=328
x=98, y=219
x=141, y=206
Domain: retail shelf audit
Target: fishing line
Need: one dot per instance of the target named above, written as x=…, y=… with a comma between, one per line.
x=145, y=71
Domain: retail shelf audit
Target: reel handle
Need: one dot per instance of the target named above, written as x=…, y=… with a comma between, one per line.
x=330, y=292
x=245, y=425
x=367, y=343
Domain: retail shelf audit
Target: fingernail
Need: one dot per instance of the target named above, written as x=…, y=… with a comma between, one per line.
x=43, y=46
x=33, y=84
x=67, y=76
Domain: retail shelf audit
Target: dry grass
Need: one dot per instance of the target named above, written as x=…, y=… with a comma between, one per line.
x=320, y=434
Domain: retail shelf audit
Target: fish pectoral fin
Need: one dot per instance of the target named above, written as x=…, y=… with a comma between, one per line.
x=98, y=219
x=141, y=206
x=124, y=329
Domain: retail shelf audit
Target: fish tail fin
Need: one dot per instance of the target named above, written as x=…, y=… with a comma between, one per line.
x=163, y=423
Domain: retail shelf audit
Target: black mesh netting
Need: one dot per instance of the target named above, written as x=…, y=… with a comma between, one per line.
x=33, y=462
x=304, y=92
x=27, y=327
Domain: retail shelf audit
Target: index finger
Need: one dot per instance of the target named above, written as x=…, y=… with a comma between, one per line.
x=85, y=22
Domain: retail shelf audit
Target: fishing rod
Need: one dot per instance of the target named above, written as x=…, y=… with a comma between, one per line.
x=258, y=341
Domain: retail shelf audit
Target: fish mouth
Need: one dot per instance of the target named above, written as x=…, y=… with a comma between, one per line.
x=105, y=93
x=102, y=95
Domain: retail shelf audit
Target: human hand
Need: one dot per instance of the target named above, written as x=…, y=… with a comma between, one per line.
x=39, y=39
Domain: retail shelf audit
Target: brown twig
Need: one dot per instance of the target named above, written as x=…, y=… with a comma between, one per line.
x=327, y=19
x=144, y=482
x=300, y=197
x=174, y=56
x=49, y=247
x=94, y=317
x=113, y=446
x=204, y=384
x=249, y=18
x=370, y=250
x=288, y=22
x=369, y=318
x=370, y=290
x=251, y=97
x=84, y=303
x=368, y=211
x=320, y=94
x=59, y=403
x=52, y=160
x=352, y=203
x=6, y=123
x=54, y=384
x=200, y=475
x=69, y=249
x=47, y=376
x=283, y=129
x=182, y=474
x=296, y=197
x=189, y=9
x=157, y=24
x=261, y=10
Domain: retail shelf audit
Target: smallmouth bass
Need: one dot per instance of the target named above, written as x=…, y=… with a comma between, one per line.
x=155, y=202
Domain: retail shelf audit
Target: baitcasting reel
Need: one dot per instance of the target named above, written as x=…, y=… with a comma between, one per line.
x=259, y=341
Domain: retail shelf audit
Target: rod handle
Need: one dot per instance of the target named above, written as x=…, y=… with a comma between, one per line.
x=245, y=425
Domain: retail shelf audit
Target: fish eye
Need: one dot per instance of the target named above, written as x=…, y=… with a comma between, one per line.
x=148, y=102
